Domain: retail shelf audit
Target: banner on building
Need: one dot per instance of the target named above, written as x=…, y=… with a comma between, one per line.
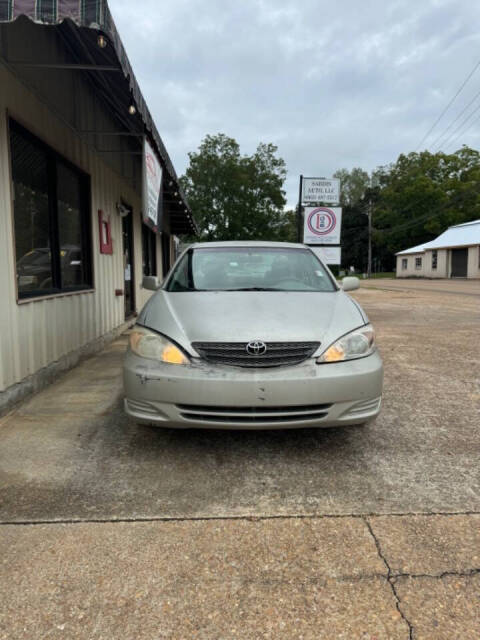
x=152, y=183
x=328, y=255
x=322, y=225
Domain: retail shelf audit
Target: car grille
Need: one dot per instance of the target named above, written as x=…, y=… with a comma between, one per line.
x=253, y=415
x=235, y=353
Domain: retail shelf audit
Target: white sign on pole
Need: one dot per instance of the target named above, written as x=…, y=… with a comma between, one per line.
x=315, y=190
x=152, y=180
x=328, y=255
x=322, y=225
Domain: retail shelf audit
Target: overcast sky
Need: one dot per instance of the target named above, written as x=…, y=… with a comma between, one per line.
x=332, y=84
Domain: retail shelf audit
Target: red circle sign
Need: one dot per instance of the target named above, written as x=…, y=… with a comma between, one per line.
x=321, y=221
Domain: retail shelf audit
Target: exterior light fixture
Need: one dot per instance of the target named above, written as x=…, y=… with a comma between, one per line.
x=102, y=42
x=132, y=110
x=175, y=194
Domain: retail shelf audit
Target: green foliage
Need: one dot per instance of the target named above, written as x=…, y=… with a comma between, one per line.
x=353, y=185
x=234, y=196
x=422, y=194
x=240, y=197
x=413, y=200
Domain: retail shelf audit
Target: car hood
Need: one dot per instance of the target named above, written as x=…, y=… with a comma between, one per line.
x=232, y=316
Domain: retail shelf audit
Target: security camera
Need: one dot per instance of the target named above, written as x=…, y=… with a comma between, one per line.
x=123, y=211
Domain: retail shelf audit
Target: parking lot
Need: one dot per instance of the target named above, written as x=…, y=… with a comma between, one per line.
x=114, y=530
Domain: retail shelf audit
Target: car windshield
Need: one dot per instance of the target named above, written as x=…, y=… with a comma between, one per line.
x=249, y=269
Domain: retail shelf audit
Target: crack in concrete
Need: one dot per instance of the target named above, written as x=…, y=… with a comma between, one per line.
x=391, y=580
x=391, y=577
x=246, y=516
x=438, y=576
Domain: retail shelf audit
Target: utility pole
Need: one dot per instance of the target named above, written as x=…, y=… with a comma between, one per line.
x=369, y=266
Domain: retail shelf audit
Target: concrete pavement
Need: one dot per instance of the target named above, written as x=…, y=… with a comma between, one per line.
x=342, y=577
x=111, y=530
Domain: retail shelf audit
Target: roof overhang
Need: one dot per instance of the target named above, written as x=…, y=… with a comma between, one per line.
x=84, y=27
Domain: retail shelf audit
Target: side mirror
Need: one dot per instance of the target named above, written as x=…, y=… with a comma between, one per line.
x=350, y=283
x=150, y=282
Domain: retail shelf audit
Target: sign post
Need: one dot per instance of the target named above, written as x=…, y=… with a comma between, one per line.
x=322, y=222
x=299, y=212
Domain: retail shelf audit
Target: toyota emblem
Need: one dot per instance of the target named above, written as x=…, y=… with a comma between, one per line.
x=256, y=348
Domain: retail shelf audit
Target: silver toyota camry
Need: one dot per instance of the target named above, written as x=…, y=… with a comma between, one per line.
x=252, y=335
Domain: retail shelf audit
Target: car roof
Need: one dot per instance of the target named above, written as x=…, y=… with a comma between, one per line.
x=247, y=243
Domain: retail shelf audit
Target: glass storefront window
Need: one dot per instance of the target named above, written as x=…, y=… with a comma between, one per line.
x=52, y=219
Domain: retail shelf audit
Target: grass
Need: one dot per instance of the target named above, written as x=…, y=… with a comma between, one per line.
x=382, y=274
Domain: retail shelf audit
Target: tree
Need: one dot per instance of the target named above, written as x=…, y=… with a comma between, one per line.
x=353, y=185
x=234, y=196
x=422, y=194
x=412, y=201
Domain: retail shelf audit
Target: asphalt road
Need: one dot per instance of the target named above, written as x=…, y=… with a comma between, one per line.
x=112, y=530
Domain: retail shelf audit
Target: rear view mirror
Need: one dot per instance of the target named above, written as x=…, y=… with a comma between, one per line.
x=150, y=282
x=350, y=283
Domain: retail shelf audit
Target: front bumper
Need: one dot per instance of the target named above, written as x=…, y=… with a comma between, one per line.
x=221, y=397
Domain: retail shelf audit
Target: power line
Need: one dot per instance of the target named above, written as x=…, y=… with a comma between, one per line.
x=412, y=223
x=463, y=133
x=448, y=105
x=464, y=121
x=454, y=121
x=424, y=218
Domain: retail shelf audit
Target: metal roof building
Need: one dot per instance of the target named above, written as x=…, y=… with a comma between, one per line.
x=77, y=141
x=454, y=254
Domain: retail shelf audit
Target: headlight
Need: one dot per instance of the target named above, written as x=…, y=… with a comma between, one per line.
x=356, y=344
x=149, y=344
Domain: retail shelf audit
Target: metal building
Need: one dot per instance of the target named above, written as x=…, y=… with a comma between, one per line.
x=74, y=242
x=454, y=254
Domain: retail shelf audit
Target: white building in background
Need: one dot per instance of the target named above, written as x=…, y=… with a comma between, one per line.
x=454, y=254
x=74, y=240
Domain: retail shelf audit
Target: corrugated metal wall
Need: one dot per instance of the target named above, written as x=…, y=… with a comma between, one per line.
x=35, y=333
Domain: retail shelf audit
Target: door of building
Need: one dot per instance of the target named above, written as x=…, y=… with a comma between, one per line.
x=459, y=263
x=129, y=289
x=165, y=253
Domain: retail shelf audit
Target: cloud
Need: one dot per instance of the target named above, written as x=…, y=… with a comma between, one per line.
x=332, y=84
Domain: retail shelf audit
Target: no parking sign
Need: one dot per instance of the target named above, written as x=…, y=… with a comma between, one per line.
x=322, y=225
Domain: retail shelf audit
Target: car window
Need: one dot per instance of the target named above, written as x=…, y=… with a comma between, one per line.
x=249, y=268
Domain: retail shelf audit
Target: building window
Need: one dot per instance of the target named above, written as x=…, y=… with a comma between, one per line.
x=434, y=260
x=418, y=263
x=149, y=251
x=404, y=263
x=51, y=218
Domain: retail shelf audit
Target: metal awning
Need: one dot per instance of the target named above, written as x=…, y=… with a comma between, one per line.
x=82, y=24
